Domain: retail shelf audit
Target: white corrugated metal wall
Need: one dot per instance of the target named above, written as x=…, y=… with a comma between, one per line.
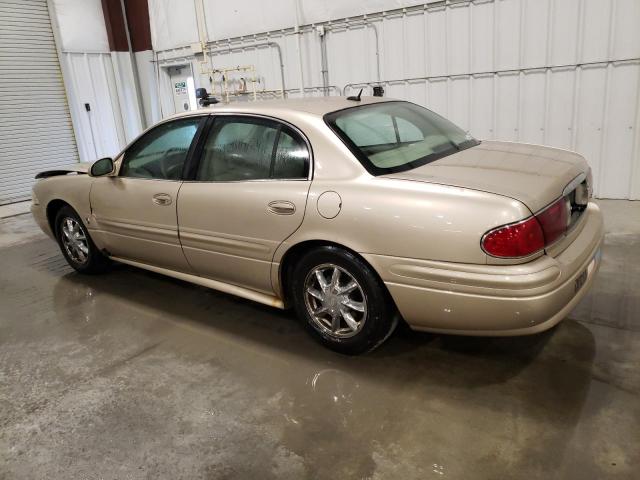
x=564, y=73
x=35, y=123
x=559, y=72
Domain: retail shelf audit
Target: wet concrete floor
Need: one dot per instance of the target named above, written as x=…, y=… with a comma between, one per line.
x=133, y=375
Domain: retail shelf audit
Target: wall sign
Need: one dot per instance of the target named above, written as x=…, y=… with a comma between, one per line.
x=180, y=88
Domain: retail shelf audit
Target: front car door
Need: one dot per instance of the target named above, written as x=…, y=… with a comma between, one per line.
x=134, y=212
x=248, y=194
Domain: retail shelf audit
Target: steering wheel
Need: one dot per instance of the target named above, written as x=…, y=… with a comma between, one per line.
x=146, y=169
x=168, y=170
x=173, y=170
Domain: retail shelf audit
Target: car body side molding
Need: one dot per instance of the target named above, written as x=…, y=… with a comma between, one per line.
x=209, y=283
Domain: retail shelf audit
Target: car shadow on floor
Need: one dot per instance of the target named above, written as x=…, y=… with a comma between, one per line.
x=540, y=381
x=463, y=361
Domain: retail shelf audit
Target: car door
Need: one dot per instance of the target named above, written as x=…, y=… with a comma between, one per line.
x=248, y=194
x=134, y=212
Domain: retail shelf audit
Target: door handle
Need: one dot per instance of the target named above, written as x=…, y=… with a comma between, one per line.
x=281, y=207
x=162, y=199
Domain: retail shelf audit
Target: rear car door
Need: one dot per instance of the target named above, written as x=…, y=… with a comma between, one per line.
x=134, y=212
x=247, y=195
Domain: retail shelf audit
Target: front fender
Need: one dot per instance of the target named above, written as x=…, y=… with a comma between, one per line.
x=71, y=189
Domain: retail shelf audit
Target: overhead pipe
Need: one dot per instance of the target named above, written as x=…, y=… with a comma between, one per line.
x=364, y=19
x=181, y=59
x=128, y=34
x=375, y=31
x=324, y=68
x=272, y=93
x=203, y=31
x=298, y=33
x=322, y=28
x=275, y=45
x=496, y=72
x=200, y=20
x=134, y=64
x=156, y=65
x=430, y=5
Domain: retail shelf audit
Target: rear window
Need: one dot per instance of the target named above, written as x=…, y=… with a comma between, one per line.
x=397, y=136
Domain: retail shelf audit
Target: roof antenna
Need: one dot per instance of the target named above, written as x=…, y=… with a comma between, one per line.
x=356, y=98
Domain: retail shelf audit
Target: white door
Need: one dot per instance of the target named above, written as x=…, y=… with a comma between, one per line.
x=181, y=83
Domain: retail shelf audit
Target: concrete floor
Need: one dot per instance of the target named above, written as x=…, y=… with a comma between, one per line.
x=133, y=375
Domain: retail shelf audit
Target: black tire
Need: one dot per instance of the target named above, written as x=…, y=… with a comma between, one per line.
x=379, y=318
x=94, y=261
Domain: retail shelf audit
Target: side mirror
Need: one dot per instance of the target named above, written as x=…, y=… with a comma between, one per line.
x=102, y=167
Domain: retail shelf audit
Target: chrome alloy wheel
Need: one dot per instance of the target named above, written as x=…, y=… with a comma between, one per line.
x=74, y=240
x=335, y=301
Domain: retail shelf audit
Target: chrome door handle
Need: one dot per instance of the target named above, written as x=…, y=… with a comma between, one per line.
x=162, y=199
x=281, y=207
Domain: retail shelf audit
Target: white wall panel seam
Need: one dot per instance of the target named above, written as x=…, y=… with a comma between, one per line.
x=634, y=178
x=116, y=114
x=576, y=84
x=607, y=95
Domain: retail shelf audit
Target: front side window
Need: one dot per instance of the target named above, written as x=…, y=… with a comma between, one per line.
x=240, y=148
x=161, y=152
x=397, y=136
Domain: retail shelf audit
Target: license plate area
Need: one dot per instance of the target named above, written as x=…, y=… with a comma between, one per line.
x=581, y=280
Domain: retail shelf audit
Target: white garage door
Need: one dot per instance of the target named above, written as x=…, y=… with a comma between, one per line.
x=35, y=125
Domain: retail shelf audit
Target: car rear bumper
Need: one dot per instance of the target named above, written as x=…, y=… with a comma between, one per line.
x=500, y=300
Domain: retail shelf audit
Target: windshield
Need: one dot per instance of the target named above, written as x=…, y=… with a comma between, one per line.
x=397, y=136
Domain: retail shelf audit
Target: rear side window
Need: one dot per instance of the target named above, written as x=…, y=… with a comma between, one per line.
x=291, y=158
x=244, y=148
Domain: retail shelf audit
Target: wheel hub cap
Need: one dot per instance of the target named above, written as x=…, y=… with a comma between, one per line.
x=74, y=240
x=335, y=301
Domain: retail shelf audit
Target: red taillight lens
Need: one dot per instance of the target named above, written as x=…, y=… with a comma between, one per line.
x=527, y=237
x=517, y=240
x=554, y=220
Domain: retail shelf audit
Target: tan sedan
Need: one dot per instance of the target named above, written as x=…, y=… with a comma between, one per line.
x=355, y=212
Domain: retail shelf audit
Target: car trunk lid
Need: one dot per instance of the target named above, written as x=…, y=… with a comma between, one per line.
x=532, y=174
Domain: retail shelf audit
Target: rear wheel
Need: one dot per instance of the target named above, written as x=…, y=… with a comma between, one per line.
x=342, y=301
x=76, y=244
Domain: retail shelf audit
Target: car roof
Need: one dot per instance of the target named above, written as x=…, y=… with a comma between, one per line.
x=313, y=105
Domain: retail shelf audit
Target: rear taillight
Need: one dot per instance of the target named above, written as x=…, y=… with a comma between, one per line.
x=515, y=240
x=529, y=236
x=554, y=220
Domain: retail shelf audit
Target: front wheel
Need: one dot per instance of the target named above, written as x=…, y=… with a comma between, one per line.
x=342, y=301
x=76, y=244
